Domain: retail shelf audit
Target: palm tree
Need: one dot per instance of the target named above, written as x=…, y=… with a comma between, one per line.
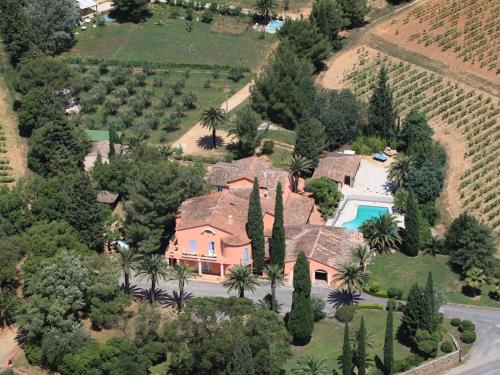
x=166, y=151
x=240, y=278
x=127, y=259
x=310, y=365
x=274, y=273
x=212, y=118
x=153, y=268
x=351, y=276
x=433, y=246
x=475, y=279
x=298, y=166
x=361, y=254
x=399, y=169
x=381, y=233
x=266, y=8
x=181, y=273
x=8, y=308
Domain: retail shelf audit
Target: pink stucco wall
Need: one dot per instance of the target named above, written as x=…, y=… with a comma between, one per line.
x=313, y=267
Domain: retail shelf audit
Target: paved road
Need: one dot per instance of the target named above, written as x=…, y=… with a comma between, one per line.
x=484, y=360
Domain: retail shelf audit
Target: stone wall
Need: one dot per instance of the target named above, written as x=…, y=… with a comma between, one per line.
x=436, y=365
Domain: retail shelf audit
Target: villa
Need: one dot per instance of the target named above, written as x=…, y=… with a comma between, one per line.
x=339, y=167
x=211, y=230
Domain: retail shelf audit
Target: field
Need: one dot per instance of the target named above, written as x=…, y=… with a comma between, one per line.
x=226, y=41
x=157, y=106
x=451, y=108
x=401, y=271
x=463, y=34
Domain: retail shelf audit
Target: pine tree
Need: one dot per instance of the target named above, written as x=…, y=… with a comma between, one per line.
x=354, y=12
x=346, y=353
x=389, y=343
x=242, y=362
x=278, y=234
x=417, y=312
x=361, y=354
x=327, y=15
x=300, y=322
x=310, y=140
x=381, y=111
x=255, y=229
x=411, y=238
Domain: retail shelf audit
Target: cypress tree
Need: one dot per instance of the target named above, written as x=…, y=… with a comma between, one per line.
x=411, y=238
x=242, y=362
x=431, y=304
x=310, y=140
x=278, y=234
x=300, y=322
x=389, y=343
x=255, y=229
x=361, y=355
x=113, y=139
x=346, y=353
x=381, y=111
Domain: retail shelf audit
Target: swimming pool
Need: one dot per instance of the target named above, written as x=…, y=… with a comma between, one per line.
x=364, y=213
x=274, y=26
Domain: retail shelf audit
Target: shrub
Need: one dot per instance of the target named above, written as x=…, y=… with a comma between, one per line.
x=132, y=85
x=189, y=100
x=318, y=306
x=267, y=148
x=326, y=194
x=138, y=105
x=189, y=14
x=407, y=363
x=427, y=343
x=344, y=314
x=141, y=78
x=111, y=106
x=207, y=16
x=371, y=306
x=368, y=145
x=178, y=87
x=207, y=84
x=455, y=322
x=374, y=287
x=392, y=303
x=468, y=336
x=447, y=347
x=235, y=74
x=103, y=68
x=466, y=325
x=393, y=292
x=167, y=98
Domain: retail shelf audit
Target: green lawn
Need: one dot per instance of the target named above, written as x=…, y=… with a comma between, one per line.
x=226, y=41
x=401, y=271
x=250, y=4
x=279, y=157
x=326, y=342
x=218, y=90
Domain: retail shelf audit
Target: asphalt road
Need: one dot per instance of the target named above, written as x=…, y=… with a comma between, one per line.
x=484, y=359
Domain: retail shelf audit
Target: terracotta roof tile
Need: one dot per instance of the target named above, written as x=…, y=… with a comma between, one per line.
x=336, y=166
x=327, y=245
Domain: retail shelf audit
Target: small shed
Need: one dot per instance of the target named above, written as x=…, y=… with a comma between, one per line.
x=339, y=167
x=88, y=8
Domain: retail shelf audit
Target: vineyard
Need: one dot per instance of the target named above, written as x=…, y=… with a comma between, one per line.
x=5, y=169
x=464, y=32
x=446, y=103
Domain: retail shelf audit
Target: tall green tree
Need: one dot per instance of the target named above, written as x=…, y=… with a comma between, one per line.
x=475, y=279
x=240, y=278
x=307, y=41
x=346, y=352
x=381, y=110
x=412, y=242
x=153, y=268
x=432, y=307
x=470, y=244
x=300, y=322
x=266, y=8
x=416, y=313
x=38, y=107
x=212, y=118
x=255, y=228
x=246, y=127
x=415, y=129
x=361, y=352
x=354, y=12
x=131, y=10
x=310, y=140
x=285, y=90
x=327, y=15
x=156, y=191
x=278, y=234
x=56, y=147
x=389, y=343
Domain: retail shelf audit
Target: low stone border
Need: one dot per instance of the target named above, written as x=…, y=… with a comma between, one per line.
x=436, y=365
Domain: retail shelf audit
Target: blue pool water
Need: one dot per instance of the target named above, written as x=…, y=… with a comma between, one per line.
x=364, y=213
x=274, y=26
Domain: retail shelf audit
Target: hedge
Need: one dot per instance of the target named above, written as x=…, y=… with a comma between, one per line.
x=158, y=65
x=344, y=314
x=468, y=337
x=466, y=325
x=380, y=293
x=393, y=292
x=407, y=363
x=372, y=306
x=455, y=322
x=447, y=347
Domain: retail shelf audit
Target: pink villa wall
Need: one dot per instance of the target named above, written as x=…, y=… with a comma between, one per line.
x=313, y=267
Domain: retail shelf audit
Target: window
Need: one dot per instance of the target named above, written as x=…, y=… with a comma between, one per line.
x=245, y=255
x=192, y=247
x=211, y=248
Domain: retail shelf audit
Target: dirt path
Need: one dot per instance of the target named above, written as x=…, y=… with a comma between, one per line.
x=17, y=147
x=197, y=140
x=8, y=345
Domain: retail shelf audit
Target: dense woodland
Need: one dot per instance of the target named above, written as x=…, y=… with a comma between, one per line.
x=53, y=232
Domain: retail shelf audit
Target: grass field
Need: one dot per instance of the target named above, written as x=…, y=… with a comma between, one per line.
x=401, y=271
x=226, y=41
x=156, y=85
x=326, y=342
